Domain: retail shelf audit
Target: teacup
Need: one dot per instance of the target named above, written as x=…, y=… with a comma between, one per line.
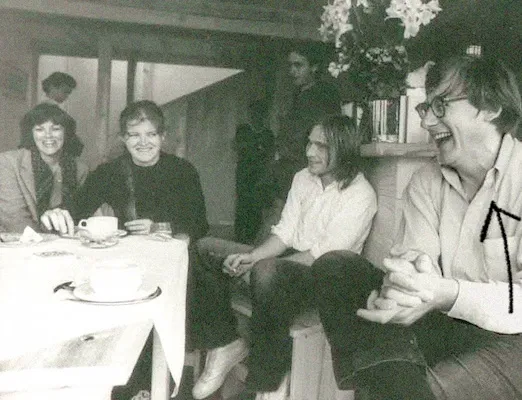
x=116, y=278
x=98, y=228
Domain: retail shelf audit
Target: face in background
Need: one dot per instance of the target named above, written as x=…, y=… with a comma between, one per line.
x=318, y=154
x=49, y=139
x=463, y=135
x=301, y=72
x=143, y=141
x=60, y=93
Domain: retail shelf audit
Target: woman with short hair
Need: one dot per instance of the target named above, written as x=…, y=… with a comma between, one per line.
x=144, y=186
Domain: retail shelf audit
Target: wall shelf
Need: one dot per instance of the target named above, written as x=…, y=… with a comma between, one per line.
x=409, y=150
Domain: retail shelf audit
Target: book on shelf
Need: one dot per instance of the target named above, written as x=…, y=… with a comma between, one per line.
x=403, y=114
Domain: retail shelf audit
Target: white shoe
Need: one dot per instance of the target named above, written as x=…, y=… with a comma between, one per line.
x=218, y=364
x=280, y=394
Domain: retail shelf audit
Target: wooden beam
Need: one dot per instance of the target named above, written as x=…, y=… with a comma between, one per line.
x=33, y=80
x=131, y=78
x=103, y=96
x=295, y=25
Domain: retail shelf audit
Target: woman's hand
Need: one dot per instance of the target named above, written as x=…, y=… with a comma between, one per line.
x=58, y=220
x=238, y=264
x=139, y=226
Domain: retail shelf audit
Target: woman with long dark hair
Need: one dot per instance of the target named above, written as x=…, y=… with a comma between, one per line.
x=43, y=172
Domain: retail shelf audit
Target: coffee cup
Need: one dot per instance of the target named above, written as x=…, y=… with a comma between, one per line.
x=117, y=278
x=98, y=228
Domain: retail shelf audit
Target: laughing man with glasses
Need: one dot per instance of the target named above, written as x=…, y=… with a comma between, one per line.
x=442, y=318
x=438, y=105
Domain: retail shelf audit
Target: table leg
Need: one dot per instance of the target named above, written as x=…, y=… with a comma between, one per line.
x=160, y=385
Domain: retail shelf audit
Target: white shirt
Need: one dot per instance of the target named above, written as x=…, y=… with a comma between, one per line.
x=321, y=220
x=439, y=220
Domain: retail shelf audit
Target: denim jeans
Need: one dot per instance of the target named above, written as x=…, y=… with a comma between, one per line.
x=459, y=360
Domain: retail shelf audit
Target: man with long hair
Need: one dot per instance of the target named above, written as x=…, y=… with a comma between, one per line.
x=312, y=99
x=330, y=206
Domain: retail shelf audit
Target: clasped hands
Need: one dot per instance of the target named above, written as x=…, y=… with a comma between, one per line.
x=408, y=292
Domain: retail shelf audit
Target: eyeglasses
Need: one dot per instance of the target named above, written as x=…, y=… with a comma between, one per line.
x=438, y=106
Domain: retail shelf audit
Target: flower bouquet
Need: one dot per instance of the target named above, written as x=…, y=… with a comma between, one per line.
x=369, y=39
x=372, y=62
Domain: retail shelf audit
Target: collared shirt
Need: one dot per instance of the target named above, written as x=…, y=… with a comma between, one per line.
x=440, y=221
x=321, y=220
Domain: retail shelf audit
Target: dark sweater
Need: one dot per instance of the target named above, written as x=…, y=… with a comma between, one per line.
x=169, y=191
x=308, y=107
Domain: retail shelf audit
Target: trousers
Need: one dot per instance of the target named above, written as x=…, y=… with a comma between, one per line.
x=456, y=360
x=280, y=290
x=211, y=322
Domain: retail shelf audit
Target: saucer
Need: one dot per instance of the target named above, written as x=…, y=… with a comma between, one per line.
x=84, y=292
x=119, y=233
x=103, y=244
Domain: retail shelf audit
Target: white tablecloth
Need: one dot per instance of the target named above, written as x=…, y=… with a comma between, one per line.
x=32, y=317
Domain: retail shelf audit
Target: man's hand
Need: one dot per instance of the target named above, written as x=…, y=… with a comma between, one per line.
x=407, y=293
x=139, y=226
x=238, y=264
x=58, y=220
x=395, y=313
x=409, y=283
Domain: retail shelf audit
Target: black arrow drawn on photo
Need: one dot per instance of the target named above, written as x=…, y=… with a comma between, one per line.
x=498, y=211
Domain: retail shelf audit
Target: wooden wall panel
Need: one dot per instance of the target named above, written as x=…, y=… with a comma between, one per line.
x=16, y=70
x=389, y=176
x=209, y=118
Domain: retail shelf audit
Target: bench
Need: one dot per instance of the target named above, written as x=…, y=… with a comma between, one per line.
x=311, y=375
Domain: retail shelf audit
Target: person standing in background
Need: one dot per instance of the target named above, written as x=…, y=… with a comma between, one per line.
x=57, y=88
x=254, y=146
x=312, y=100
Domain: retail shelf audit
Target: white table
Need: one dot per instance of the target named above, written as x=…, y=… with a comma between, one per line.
x=67, y=349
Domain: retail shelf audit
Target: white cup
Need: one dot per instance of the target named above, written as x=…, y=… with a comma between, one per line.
x=117, y=278
x=99, y=228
